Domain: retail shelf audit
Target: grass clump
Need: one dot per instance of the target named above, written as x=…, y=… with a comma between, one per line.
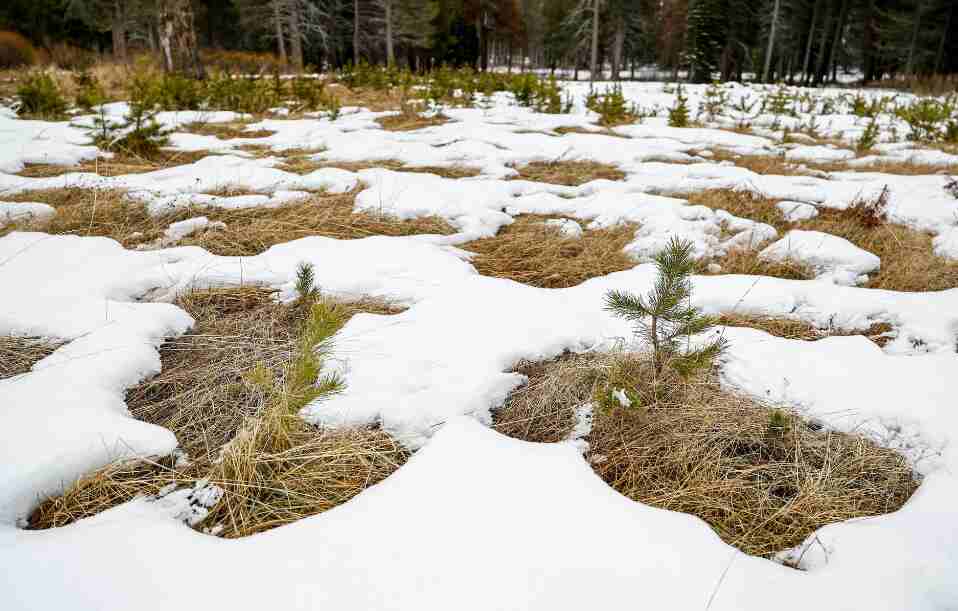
x=40, y=97
x=89, y=212
x=408, y=120
x=534, y=253
x=761, y=477
x=908, y=261
x=19, y=354
x=569, y=173
x=231, y=391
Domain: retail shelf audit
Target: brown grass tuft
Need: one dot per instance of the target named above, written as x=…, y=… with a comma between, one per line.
x=230, y=391
x=250, y=231
x=19, y=354
x=531, y=252
x=121, y=163
x=908, y=262
x=710, y=453
x=225, y=131
x=408, y=120
x=304, y=166
x=569, y=173
x=580, y=130
x=880, y=333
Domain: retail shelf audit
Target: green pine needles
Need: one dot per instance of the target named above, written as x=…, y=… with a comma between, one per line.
x=666, y=319
x=679, y=113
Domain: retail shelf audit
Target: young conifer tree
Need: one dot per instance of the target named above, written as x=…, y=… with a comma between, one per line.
x=666, y=319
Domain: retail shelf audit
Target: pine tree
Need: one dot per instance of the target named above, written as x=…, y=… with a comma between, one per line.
x=705, y=37
x=666, y=319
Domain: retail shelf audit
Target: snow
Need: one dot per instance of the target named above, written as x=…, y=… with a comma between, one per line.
x=797, y=211
x=24, y=212
x=474, y=520
x=187, y=227
x=567, y=227
x=832, y=258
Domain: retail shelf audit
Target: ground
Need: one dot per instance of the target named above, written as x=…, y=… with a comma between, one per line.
x=332, y=326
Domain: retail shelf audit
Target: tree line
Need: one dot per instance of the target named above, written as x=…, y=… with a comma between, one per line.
x=809, y=41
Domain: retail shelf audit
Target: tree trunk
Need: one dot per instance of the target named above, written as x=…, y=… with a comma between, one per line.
x=842, y=18
x=390, y=51
x=118, y=28
x=820, y=58
x=910, y=65
x=944, y=36
x=811, y=38
x=177, y=36
x=771, y=41
x=593, y=64
x=278, y=23
x=618, y=42
x=355, y=32
x=295, y=34
x=869, y=43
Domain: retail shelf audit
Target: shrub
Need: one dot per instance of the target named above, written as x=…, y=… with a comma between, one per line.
x=16, y=51
x=869, y=137
x=779, y=103
x=713, y=103
x=610, y=106
x=138, y=134
x=40, y=96
x=925, y=118
x=666, y=318
x=89, y=93
x=679, y=113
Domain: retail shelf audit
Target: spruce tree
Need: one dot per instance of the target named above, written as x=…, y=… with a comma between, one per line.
x=666, y=319
x=705, y=37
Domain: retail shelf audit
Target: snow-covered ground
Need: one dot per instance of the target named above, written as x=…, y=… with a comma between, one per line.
x=474, y=520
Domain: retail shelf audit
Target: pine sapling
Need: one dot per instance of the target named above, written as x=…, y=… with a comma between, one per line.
x=666, y=319
x=306, y=282
x=869, y=137
x=679, y=113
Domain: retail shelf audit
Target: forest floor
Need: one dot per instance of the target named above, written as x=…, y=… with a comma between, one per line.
x=379, y=334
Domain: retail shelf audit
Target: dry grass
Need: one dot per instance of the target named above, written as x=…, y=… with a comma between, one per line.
x=19, y=354
x=747, y=262
x=531, y=252
x=94, y=212
x=778, y=166
x=253, y=230
x=306, y=166
x=225, y=131
x=120, y=164
x=408, y=120
x=580, y=130
x=376, y=100
x=880, y=333
x=230, y=391
x=248, y=231
x=704, y=451
x=569, y=173
x=762, y=164
x=908, y=262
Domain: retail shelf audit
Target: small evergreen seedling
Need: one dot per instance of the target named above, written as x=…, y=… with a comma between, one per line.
x=777, y=425
x=679, y=113
x=869, y=137
x=306, y=282
x=666, y=319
